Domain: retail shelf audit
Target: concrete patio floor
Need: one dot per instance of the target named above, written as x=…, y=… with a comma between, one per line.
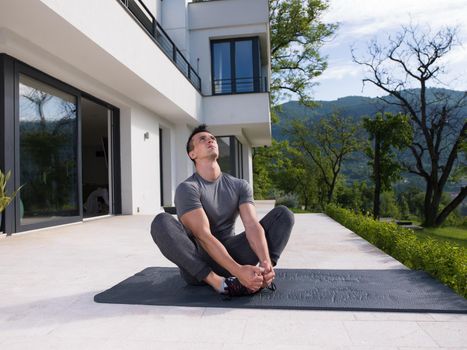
x=48, y=279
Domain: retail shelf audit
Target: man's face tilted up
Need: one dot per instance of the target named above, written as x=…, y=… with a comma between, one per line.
x=204, y=146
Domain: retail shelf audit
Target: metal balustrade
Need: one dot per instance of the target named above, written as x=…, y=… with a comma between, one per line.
x=239, y=85
x=147, y=20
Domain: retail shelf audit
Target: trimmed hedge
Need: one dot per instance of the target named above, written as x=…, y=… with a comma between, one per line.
x=445, y=261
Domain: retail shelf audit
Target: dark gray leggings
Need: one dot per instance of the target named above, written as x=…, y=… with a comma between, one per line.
x=195, y=264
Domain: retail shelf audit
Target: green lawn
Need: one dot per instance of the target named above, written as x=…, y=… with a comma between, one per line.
x=452, y=234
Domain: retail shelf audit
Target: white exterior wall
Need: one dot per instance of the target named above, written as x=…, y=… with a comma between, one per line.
x=145, y=162
x=139, y=182
x=98, y=45
x=228, y=13
x=174, y=20
x=249, y=113
x=80, y=43
x=146, y=87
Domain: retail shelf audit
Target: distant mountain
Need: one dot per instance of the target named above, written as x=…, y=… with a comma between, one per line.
x=351, y=106
x=355, y=107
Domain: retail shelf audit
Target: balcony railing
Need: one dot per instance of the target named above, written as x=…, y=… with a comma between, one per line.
x=147, y=20
x=239, y=85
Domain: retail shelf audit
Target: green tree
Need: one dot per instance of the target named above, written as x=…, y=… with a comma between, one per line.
x=262, y=181
x=389, y=207
x=298, y=178
x=412, y=197
x=325, y=144
x=280, y=170
x=269, y=165
x=356, y=197
x=388, y=132
x=415, y=58
x=297, y=34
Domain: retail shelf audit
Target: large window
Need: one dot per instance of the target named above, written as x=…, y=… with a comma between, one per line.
x=48, y=152
x=59, y=143
x=235, y=66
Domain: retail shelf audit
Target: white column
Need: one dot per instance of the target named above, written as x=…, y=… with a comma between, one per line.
x=248, y=163
x=183, y=164
x=125, y=161
x=168, y=166
x=145, y=161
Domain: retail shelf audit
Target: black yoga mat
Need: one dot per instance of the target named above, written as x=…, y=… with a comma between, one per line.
x=364, y=290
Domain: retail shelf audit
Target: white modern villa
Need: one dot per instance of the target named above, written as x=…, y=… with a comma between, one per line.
x=98, y=98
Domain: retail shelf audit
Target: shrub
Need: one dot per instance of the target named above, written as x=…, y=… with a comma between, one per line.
x=445, y=261
x=289, y=200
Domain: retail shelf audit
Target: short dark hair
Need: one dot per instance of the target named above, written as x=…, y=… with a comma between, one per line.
x=197, y=130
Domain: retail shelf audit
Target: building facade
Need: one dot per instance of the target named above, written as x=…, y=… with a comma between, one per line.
x=98, y=98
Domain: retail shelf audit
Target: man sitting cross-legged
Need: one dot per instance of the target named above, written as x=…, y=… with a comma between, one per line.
x=203, y=243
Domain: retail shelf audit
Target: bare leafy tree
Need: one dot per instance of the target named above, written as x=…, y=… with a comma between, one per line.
x=39, y=99
x=404, y=68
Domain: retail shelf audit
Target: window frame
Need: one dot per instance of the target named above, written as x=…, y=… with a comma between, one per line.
x=256, y=65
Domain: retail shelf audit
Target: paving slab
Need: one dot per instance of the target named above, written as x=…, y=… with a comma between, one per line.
x=48, y=279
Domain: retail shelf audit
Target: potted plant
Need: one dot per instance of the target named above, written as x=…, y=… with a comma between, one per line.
x=5, y=198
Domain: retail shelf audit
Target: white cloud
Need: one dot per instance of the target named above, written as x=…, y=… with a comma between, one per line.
x=366, y=17
x=457, y=55
x=363, y=20
x=338, y=71
x=358, y=10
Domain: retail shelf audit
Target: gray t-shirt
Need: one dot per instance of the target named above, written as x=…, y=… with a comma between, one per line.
x=219, y=199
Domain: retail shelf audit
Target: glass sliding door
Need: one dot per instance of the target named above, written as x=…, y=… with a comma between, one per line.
x=48, y=154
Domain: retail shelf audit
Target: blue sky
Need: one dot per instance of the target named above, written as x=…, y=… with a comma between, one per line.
x=362, y=20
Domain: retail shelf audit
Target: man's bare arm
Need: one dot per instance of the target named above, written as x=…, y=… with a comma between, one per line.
x=257, y=239
x=197, y=222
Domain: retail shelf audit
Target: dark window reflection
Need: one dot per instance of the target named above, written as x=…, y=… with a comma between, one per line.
x=230, y=156
x=222, y=68
x=244, y=66
x=95, y=158
x=224, y=154
x=48, y=152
